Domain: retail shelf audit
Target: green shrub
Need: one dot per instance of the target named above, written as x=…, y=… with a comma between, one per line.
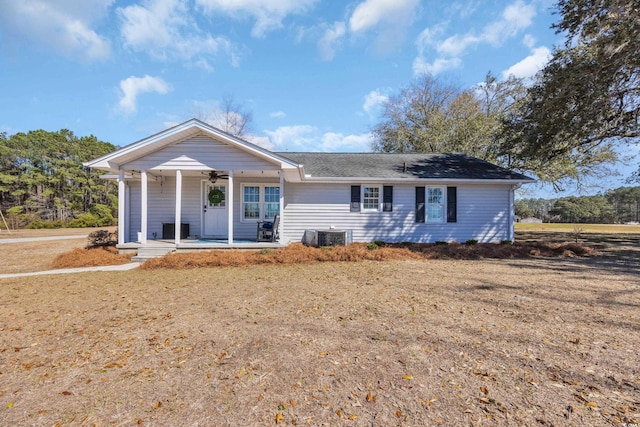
x=39, y=223
x=379, y=243
x=84, y=220
x=441, y=242
x=506, y=242
x=471, y=242
x=372, y=246
x=103, y=213
x=36, y=223
x=98, y=216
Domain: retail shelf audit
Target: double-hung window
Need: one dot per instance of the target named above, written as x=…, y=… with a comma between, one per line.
x=435, y=204
x=370, y=198
x=271, y=202
x=260, y=202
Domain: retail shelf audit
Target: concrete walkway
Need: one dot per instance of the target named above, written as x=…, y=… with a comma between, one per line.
x=37, y=239
x=121, y=267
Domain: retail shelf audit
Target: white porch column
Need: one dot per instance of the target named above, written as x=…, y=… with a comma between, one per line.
x=121, y=210
x=281, y=223
x=143, y=206
x=230, y=207
x=178, y=227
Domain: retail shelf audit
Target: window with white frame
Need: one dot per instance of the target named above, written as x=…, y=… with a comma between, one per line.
x=435, y=204
x=260, y=202
x=370, y=198
x=271, y=202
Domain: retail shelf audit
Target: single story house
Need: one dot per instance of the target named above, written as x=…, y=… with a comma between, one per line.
x=219, y=188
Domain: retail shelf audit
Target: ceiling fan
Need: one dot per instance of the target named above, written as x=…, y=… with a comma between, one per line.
x=214, y=176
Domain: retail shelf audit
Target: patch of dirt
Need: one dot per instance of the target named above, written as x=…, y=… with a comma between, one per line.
x=405, y=342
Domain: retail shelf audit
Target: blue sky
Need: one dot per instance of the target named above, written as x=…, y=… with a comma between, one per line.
x=313, y=72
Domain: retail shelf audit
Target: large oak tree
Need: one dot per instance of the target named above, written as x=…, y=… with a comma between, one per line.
x=585, y=104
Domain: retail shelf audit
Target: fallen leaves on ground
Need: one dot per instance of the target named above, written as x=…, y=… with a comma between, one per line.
x=80, y=257
x=297, y=253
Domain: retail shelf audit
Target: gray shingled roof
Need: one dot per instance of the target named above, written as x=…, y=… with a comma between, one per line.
x=384, y=165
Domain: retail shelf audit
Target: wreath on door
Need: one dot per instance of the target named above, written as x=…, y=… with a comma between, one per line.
x=216, y=196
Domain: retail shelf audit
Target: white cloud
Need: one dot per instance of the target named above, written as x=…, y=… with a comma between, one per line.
x=516, y=17
x=530, y=65
x=529, y=41
x=331, y=37
x=268, y=14
x=164, y=29
x=134, y=86
x=337, y=142
x=262, y=141
x=278, y=115
x=456, y=44
x=309, y=138
x=390, y=19
x=64, y=25
x=373, y=102
x=293, y=138
x=421, y=66
x=370, y=13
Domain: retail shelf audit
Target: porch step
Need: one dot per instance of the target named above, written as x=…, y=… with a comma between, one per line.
x=146, y=253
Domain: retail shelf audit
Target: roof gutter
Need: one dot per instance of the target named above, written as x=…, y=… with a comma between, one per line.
x=320, y=180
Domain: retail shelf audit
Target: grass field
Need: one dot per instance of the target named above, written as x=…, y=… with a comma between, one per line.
x=585, y=228
x=508, y=342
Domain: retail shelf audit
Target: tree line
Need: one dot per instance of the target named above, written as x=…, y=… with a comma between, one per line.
x=43, y=182
x=618, y=206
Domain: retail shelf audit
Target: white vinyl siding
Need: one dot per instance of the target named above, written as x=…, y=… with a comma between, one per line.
x=482, y=211
x=483, y=214
x=201, y=153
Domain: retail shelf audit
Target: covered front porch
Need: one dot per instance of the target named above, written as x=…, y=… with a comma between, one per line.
x=195, y=187
x=215, y=209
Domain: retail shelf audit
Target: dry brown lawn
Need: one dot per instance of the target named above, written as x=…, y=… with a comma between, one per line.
x=25, y=257
x=543, y=341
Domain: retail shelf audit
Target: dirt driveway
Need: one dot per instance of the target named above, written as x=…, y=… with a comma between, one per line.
x=411, y=343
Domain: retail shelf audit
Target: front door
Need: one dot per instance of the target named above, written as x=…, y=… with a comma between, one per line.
x=215, y=213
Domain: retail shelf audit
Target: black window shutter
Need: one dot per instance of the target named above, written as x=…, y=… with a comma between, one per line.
x=419, y=204
x=387, y=198
x=355, y=198
x=452, y=204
